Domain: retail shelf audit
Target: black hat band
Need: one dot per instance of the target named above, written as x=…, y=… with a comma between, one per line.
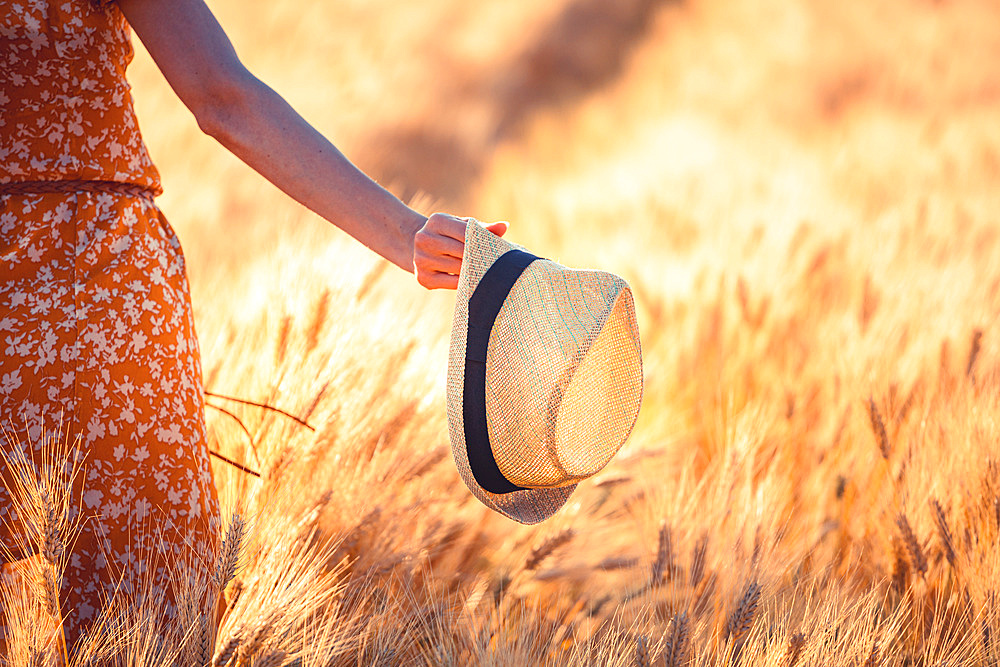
x=484, y=306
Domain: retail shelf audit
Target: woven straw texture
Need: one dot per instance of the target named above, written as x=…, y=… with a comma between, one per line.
x=564, y=378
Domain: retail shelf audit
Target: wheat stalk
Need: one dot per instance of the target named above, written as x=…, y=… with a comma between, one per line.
x=307, y=523
x=872, y=660
x=48, y=589
x=203, y=645
x=663, y=566
x=617, y=563
x=197, y=642
x=741, y=619
x=907, y=405
x=977, y=340
x=227, y=652
x=41, y=493
x=987, y=640
x=878, y=427
x=675, y=648
x=642, y=653
x=318, y=318
x=314, y=403
x=698, y=557
x=796, y=643
x=427, y=463
x=254, y=641
x=900, y=566
x=545, y=549
x=52, y=547
x=281, y=344
x=941, y=521
x=706, y=595
x=869, y=303
x=917, y=558
x=40, y=657
x=229, y=552
x=272, y=659
x=944, y=361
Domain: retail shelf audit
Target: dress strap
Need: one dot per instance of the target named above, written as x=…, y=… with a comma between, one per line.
x=49, y=187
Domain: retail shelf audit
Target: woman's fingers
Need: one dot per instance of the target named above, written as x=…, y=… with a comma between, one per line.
x=437, y=260
x=433, y=261
x=431, y=243
x=498, y=228
x=437, y=280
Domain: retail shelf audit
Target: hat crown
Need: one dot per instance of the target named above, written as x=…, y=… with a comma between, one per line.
x=560, y=396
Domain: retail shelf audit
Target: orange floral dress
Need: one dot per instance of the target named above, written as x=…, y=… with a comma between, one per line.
x=96, y=329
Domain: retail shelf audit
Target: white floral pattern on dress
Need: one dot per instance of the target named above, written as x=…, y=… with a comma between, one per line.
x=65, y=105
x=96, y=327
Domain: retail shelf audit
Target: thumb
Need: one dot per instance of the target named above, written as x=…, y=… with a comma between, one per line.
x=498, y=228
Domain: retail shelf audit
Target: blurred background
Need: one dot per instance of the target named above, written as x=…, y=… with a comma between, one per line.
x=677, y=143
x=656, y=138
x=803, y=196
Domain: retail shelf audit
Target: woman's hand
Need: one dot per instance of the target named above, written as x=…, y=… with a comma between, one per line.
x=438, y=247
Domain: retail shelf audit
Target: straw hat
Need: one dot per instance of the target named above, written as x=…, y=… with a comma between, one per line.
x=544, y=375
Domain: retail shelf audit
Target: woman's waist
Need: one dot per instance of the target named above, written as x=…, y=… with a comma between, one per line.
x=73, y=186
x=63, y=156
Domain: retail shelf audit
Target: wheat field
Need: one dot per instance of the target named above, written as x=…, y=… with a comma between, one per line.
x=803, y=196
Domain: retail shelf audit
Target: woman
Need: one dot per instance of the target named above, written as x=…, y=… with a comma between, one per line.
x=95, y=318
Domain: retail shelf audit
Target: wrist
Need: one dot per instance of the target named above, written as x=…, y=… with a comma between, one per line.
x=412, y=223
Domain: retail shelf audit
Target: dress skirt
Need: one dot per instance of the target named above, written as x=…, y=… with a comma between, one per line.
x=97, y=343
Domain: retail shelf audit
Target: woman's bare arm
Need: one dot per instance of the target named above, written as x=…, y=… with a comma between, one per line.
x=258, y=126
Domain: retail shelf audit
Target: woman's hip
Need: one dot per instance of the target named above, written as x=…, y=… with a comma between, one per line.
x=97, y=337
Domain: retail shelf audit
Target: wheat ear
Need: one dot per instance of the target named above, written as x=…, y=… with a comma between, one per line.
x=642, y=658
x=796, y=643
x=663, y=566
x=229, y=552
x=917, y=558
x=941, y=521
x=272, y=659
x=49, y=590
x=676, y=646
x=977, y=341
x=900, y=566
x=227, y=652
x=698, y=561
x=742, y=617
x=545, y=549
x=254, y=641
x=52, y=546
x=878, y=427
x=203, y=647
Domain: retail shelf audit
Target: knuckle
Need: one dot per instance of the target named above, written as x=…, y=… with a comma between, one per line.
x=422, y=257
x=427, y=244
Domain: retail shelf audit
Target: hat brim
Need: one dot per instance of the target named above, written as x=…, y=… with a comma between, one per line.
x=527, y=506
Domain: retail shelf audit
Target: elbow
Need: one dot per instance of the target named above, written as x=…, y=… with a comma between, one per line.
x=221, y=107
x=211, y=121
